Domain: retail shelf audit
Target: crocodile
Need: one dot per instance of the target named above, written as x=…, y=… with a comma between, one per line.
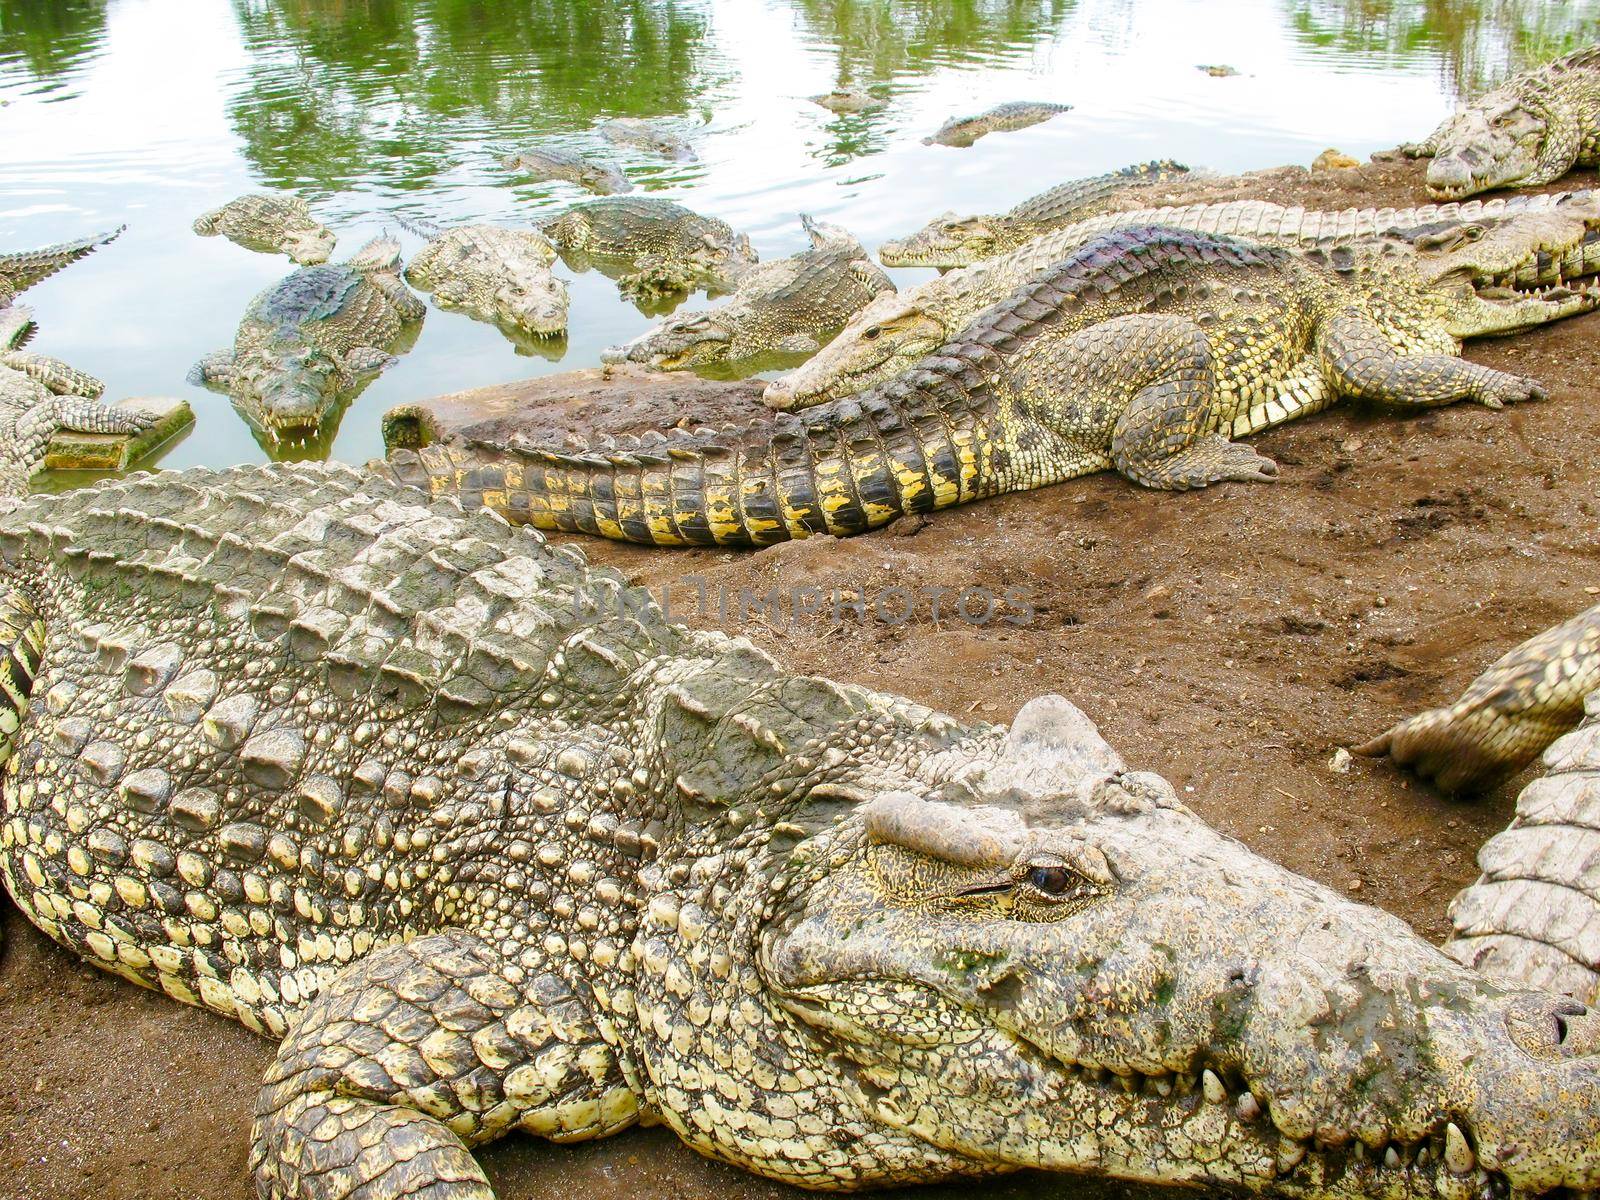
x=790, y=306
x=955, y=241
x=308, y=340
x=1521, y=242
x=1531, y=130
x=21, y=269
x=491, y=273
x=664, y=246
x=647, y=135
x=272, y=224
x=848, y=100
x=1002, y=118
x=1144, y=352
x=1530, y=917
x=546, y=162
x=38, y=397
x=486, y=844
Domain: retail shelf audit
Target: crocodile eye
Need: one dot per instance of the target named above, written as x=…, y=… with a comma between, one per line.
x=872, y=332
x=1052, y=881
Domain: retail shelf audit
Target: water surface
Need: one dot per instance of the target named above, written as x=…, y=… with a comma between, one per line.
x=149, y=112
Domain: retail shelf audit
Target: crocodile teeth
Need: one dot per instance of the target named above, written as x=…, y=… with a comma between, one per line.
x=1248, y=1108
x=1458, y=1155
x=1391, y=1158
x=1214, y=1090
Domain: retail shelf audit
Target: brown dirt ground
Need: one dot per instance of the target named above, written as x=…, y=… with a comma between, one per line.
x=1231, y=639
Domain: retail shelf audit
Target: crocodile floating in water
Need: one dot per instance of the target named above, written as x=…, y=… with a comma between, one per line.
x=647, y=135
x=664, y=246
x=790, y=306
x=21, y=269
x=1144, y=352
x=273, y=224
x=1002, y=118
x=546, y=162
x=1532, y=916
x=1530, y=130
x=1520, y=242
x=954, y=241
x=491, y=273
x=307, y=341
x=848, y=100
x=490, y=846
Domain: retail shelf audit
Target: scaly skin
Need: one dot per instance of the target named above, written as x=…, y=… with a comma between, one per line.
x=546, y=162
x=1002, y=118
x=786, y=307
x=308, y=341
x=404, y=789
x=493, y=274
x=272, y=224
x=1145, y=352
x=1522, y=242
x=21, y=269
x=1531, y=917
x=848, y=100
x=669, y=247
x=1530, y=130
x=647, y=135
x=952, y=241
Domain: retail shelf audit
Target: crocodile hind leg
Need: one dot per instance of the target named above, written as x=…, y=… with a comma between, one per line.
x=418, y=1052
x=1360, y=362
x=1507, y=716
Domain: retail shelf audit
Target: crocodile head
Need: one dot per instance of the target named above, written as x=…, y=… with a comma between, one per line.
x=678, y=343
x=288, y=390
x=883, y=339
x=308, y=244
x=949, y=241
x=722, y=256
x=1047, y=961
x=1522, y=134
x=533, y=301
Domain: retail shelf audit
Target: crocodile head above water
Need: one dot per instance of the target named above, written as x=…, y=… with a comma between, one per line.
x=952, y=240
x=1495, y=275
x=288, y=389
x=677, y=343
x=1049, y=962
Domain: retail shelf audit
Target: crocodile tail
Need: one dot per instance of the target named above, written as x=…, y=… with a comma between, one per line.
x=421, y=227
x=16, y=326
x=28, y=267
x=22, y=641
x=382, y=253
x=907, y=447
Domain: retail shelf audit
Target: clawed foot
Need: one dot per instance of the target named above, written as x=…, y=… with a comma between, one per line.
x=1503, y=389
x=1442, y=745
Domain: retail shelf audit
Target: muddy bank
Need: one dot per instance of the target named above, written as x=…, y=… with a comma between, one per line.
x=1231, y=639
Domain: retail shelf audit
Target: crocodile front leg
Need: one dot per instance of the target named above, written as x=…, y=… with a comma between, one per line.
x=1361, y=363
x=416, y=1053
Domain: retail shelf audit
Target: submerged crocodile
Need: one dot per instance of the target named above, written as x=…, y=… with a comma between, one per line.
x=488, y=845
x=1522, y=242
x=38, y=397
x=665, y=247
x=273, y=224
x=790, y=306
x=493, y=274
x=1002, y=118
x=953, y=241
x=307, y=341
x=1144, y=352
x=546, y=162
x=1532, y=916
x=848, y=100
x=647, y=135
x=21, y=269
x=1530, y=130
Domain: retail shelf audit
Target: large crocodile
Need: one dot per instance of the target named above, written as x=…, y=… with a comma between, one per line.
x=1530, y=130
x=491, y=273
x=665, y=247
x=790, y=306
x=1144, y=352
x=489, y=845
x=1002, y=118
x=1533, y=915
x=1521, y=242
x=954, y=241
x=272, y=224
x=21, y=269
x=309, y=339
x=547, y=162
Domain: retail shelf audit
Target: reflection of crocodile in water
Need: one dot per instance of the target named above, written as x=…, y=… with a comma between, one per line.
x=1146, y=352
x=789, y=306
x=490, y=845
x=310, y=339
